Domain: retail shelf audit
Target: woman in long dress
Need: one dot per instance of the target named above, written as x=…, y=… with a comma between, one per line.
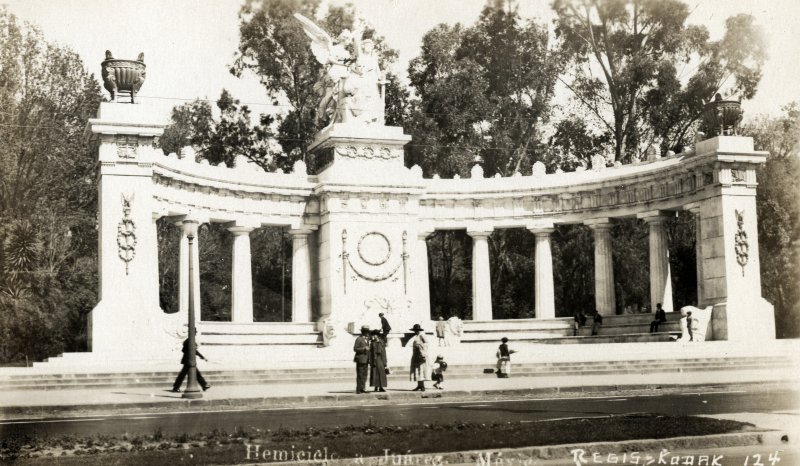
x=377, y=362
x=419, y=358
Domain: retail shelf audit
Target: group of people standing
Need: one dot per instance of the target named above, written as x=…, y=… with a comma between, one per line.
x=370, y=358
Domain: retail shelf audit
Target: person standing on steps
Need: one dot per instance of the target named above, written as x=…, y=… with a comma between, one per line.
x=361, y=348
x=385, y=327
x=377, y=362
x=419, y=358
x=441, y=327
x=504, y=359
x=176, y=387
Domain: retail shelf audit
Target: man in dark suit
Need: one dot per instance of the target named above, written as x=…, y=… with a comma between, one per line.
x=661, y=316
x=385, y=327
x=361, y=348
x=185, y=370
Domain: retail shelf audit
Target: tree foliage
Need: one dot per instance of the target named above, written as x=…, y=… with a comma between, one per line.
x=778, y=206
x=47, y=194
x=627, y=60
x=483, y=93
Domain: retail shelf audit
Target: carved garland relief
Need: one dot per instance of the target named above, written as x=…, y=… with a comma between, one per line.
x=367, y=152
x=126, y=233
x=741, y=246
x=374, y=251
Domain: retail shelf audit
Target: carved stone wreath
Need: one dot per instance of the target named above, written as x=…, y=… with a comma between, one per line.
x=367, y=152
x=374, y=248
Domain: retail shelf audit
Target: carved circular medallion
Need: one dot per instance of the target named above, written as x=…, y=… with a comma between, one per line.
x=374, y=248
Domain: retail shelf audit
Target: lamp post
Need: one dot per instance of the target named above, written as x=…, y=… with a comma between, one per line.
x=192, y=389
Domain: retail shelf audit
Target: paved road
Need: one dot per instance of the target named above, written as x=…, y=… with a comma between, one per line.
x=393, y=413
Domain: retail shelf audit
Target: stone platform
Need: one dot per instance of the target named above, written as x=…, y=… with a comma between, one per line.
x=476, y=360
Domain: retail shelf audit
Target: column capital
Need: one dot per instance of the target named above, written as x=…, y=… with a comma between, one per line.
x=479, y=234
x=656, y=216
x=240, y=230
x=299, y=232
x=598, y=223
x=178, y=219
x=693, y=207
x=540, y=228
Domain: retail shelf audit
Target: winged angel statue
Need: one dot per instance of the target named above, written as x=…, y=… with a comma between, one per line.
x=350, y=85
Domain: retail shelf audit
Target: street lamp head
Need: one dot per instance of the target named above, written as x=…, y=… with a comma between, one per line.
x=190, y=225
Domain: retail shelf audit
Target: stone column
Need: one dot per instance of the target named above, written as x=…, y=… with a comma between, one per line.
x=543, y=280
x=241, y=276
x=481, y=277
x=422, y=280
x=698, y=249
x=660, y=278
x=183, y=273
x=604, y=295
x=301, y=269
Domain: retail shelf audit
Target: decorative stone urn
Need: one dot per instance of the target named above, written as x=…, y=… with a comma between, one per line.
x=123, y=76
x=722, y=117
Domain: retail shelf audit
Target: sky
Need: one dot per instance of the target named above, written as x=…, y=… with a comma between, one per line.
x=189, y=45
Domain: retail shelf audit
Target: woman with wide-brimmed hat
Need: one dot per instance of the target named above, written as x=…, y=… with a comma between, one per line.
x=419, y=358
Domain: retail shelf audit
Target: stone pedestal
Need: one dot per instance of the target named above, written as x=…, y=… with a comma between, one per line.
x=367, y=238
x=127, y=318
x=730, y=268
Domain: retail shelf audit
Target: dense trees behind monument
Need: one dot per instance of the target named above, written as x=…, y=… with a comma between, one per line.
x=486, y=92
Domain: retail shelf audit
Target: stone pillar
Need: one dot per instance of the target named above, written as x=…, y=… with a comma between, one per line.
x=543, y=286
x=241, y=276
x=660, y=277
x=481, y=277
x=698, y=249
x=422, y=280
x=301, y=270
x=183, y=273
x=604, y=295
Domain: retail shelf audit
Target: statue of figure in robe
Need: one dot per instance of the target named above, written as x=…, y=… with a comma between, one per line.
x=350, y=85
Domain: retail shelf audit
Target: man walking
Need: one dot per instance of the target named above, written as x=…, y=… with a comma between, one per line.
x=361, y=348
x=661, y=316
x=176, y=387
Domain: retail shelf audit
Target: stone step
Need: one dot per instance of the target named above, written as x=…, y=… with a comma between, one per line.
x=398, y=375
x=43, y=382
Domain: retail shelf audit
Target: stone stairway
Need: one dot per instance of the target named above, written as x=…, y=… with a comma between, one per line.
x=163, y=378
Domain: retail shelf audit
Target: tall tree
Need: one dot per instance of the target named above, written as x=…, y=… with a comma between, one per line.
x=625, y=56
x=779, y=215
x=483, y=91
x=47, y=194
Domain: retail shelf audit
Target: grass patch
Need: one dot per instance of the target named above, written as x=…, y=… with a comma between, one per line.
x=351, y=441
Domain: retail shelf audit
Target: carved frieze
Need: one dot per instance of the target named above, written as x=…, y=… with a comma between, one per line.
x=361, y=151
x=127, y=146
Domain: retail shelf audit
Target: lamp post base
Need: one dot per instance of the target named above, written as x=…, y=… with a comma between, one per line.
x=192, y=394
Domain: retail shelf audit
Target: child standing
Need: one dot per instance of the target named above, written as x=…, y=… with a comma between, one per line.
x=504, y=359
x=438, y=371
